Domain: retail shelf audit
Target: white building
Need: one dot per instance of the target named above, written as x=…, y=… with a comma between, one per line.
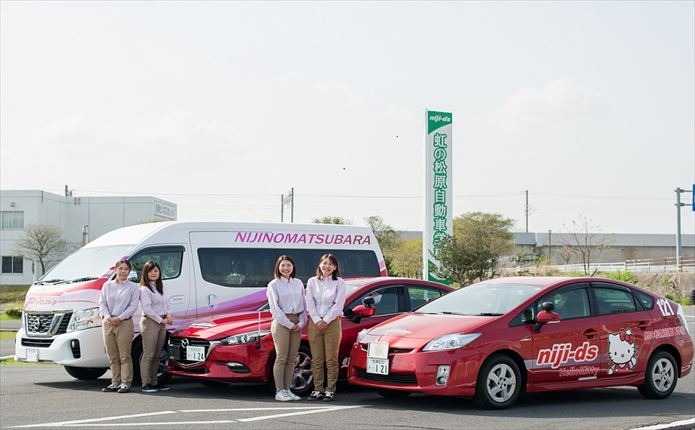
x=75, y=216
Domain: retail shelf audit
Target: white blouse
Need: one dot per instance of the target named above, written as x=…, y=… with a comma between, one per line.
x=286, y=297
x=325, y=298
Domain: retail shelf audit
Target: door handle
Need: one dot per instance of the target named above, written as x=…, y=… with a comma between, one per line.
x=643, y=325
x=175, y=299
x=590, y=333
x=212, y=300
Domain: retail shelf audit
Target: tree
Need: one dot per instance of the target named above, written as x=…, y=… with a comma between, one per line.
x=472, y=252
x=42, y=243
x=331, y=220
x=388, y=239
x=406, y=258
x=583, y=243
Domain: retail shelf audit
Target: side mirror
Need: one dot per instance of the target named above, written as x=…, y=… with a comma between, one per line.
x=368, y=301
x=544, y=317
x=361, y=311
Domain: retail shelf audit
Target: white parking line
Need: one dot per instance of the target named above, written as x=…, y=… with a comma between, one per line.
x=668, y=425
x=93, y=420
x=99, y=422
x=289, y=414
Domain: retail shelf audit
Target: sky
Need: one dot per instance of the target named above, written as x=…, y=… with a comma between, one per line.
x=222, y=107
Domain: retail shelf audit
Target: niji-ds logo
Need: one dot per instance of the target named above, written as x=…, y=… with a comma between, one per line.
x=561, y=353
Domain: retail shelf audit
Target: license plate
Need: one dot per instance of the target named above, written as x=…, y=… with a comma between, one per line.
x=195, y=353
x=33, y=355
x=379, y=366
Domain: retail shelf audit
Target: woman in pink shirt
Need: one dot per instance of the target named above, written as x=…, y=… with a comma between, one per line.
x=325, y=299
x=286, y=300
x=155, y=317
x=117, y=304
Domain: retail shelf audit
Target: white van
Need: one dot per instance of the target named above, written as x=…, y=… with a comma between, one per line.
x=208, y=268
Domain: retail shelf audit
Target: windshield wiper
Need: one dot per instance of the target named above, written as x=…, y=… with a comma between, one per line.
x=489, y=314
x=51, y=281
x=86, y=278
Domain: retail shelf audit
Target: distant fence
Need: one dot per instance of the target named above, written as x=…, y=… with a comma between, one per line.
x=634, y=266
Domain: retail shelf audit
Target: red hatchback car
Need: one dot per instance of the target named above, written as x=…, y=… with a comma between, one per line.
x=239, y=347
x=496, y=339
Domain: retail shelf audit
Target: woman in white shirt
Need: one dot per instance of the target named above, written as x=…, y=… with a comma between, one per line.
x=117, y=304
x=325, y=299
x=286, y=299
x=155, y=317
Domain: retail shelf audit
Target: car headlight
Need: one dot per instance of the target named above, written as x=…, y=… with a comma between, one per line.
x=83, y=319
x=450, y=341
x=243, y=338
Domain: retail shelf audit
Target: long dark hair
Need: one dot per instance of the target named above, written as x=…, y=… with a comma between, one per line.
x=145, y=279
x=282, y=258
x=334, y=260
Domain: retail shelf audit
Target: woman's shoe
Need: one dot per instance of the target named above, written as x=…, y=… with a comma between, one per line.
x=315, y=395
x=110, y=389
x=328, y=396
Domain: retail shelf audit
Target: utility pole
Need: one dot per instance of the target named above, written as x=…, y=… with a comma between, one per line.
x=526, y=210
x=550, y=236
x=287, y=201
x=678, y=224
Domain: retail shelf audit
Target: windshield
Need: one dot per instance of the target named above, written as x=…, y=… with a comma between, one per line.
x=85, y=264
x=481, y=299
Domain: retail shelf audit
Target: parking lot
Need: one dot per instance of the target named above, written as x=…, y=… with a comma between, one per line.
x=46, y=397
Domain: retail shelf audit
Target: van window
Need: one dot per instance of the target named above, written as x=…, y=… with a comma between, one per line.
x=168, y=257
x=253, y=267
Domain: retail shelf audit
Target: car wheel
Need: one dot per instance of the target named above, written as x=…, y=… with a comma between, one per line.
x=499, y=383
x=85, y=373
x=393, y=394
x=661, y=376
x=303, y=380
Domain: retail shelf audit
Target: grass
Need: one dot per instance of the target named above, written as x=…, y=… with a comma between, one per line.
x=13, y=293
x=11, y=362
x=13, y=311
x=4, y=335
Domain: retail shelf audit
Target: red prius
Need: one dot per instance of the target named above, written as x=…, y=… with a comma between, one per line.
x=499, y=338
x=239, y=347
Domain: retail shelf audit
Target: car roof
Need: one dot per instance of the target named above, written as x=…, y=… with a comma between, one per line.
x=360, y=282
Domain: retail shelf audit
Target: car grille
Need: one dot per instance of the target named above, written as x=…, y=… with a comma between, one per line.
x=46, y=324
x=177, y=348
x=37, y=343
x=394, y=378
x=391, y=350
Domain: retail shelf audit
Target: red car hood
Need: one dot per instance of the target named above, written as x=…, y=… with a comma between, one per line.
x=415, y=329
x=226, y=325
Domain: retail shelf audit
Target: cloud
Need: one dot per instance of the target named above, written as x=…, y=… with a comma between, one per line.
x=560, y=100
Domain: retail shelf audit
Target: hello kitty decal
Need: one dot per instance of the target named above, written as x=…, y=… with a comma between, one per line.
x=622, y=351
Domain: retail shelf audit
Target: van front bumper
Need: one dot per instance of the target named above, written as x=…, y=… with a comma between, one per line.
x=83, y=348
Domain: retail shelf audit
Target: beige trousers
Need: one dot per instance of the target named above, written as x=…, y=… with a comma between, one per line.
x=286, y=347
x=119, y=341
x=324, y=351
x=153, y=336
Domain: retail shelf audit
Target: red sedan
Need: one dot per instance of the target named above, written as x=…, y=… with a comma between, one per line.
x=496, y=339
x=239, y=347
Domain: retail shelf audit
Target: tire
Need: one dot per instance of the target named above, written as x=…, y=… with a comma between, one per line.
x=661, y=376
x=393, y=394
x=162, y=376
x=303, y=379
x=85, y=373
x=499, y=383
